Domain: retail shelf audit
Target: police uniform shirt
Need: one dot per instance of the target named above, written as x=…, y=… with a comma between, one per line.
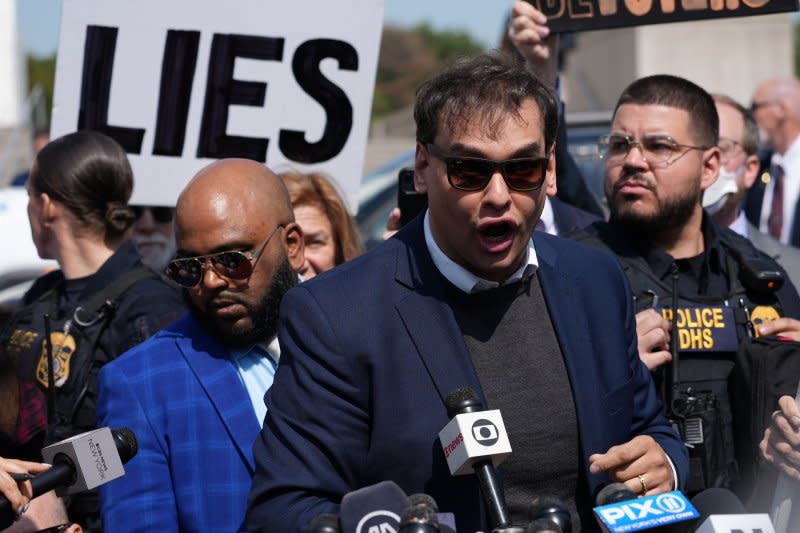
x=704, y=274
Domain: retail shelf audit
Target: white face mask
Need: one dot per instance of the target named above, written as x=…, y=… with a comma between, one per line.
x=717, y=194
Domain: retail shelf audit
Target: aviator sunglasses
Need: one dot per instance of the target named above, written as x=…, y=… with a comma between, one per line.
x=475, y=173
x=234, y=265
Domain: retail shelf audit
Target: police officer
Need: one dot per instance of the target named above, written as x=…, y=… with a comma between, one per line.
x=698, y=287
x=101, y=302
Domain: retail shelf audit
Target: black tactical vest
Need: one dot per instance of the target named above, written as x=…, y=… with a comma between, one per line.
x=77, y=349
x=696, y=387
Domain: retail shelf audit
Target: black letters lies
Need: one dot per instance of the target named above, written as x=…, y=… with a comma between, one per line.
x=222, y=90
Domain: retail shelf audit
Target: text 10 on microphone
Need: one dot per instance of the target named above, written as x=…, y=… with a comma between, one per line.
x=471, y=437
x=737, y=523
x=94, y=455
x=646, y=512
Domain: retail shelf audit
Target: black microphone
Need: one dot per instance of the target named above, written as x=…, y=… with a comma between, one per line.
x=543, y=525
x=80, y=462
x=324, y=523
x=717, y=501
x=462, y=401
x=552, y=509
x=419, y=518
x=427, y=500
x=664, y=513
x=447, y=521
x=713, y=504
x=373, y=508
x=614, y=493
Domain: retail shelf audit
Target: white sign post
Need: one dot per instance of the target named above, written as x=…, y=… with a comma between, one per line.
x=180, y=83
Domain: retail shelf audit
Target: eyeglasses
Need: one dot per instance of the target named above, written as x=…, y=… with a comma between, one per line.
x=234, y=265
x=727, y=147
x=162, y=215
x=755, y=106
x=658, y=151
x=475, y=173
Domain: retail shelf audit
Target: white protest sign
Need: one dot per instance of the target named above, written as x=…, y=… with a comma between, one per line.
x=180, y=83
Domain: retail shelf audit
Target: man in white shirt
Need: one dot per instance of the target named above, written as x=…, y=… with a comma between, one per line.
x=539, y=327
x=772, y=203
x=739, y=168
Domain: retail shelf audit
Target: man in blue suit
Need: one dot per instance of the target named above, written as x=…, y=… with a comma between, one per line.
x=193, y=394
x=543, y=328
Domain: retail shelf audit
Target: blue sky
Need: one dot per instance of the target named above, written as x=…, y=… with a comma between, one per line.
x=39, y=19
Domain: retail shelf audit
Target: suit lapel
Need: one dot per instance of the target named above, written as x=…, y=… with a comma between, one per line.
x=428, y=320
x=218, y=377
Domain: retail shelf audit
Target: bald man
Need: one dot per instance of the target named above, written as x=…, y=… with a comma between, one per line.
x=773, y=202
x=194, y=394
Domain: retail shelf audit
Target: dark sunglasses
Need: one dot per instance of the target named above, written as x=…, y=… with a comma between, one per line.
x=161, y=215
x=234, y=265
x=475, y=173
x=55, y=529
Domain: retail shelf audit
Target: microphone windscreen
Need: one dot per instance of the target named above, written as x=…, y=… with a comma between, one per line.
x=427, y=500
x=376, y=506
x=717, y=501
x=713, y=501
x=551, y=509
x=543, y=525
x=462, y=400
x=418, y=519
x=324, y=523
x=447, y=521
x=614, y=493
x=126, y=443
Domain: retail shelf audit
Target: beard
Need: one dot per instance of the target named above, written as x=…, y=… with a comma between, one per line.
x=156, y=250
x=264, y=314
x=669, y=215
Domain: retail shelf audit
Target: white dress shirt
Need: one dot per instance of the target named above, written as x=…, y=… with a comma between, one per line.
x=463, y=278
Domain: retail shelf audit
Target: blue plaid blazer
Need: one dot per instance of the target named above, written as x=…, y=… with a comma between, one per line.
x=195, y=425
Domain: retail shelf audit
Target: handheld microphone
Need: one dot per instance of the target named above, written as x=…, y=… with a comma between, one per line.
x=427, y=500
x=324, y=523
x=373, y=508
x=721, y=511
x=647, y=512
x=80, y=463
x=447, y=521
x=551, y=509
x=476, y=441
x=419, y=518
x=614, y=493
x=543, y=525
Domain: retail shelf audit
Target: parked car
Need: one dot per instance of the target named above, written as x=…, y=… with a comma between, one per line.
x=19, y=263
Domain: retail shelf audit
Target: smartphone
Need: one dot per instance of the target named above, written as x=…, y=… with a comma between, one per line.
x=410, y=202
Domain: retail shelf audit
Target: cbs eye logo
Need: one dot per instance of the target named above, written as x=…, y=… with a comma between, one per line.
x=485, y=432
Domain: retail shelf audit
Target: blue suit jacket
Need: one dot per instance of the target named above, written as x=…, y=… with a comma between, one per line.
x=370, y=351
x=195, y=425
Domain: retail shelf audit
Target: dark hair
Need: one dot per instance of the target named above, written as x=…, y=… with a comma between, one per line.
x=89, y=174
x=316, y=190
x=672, y=91
x=490, y=86
x=750, y=139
